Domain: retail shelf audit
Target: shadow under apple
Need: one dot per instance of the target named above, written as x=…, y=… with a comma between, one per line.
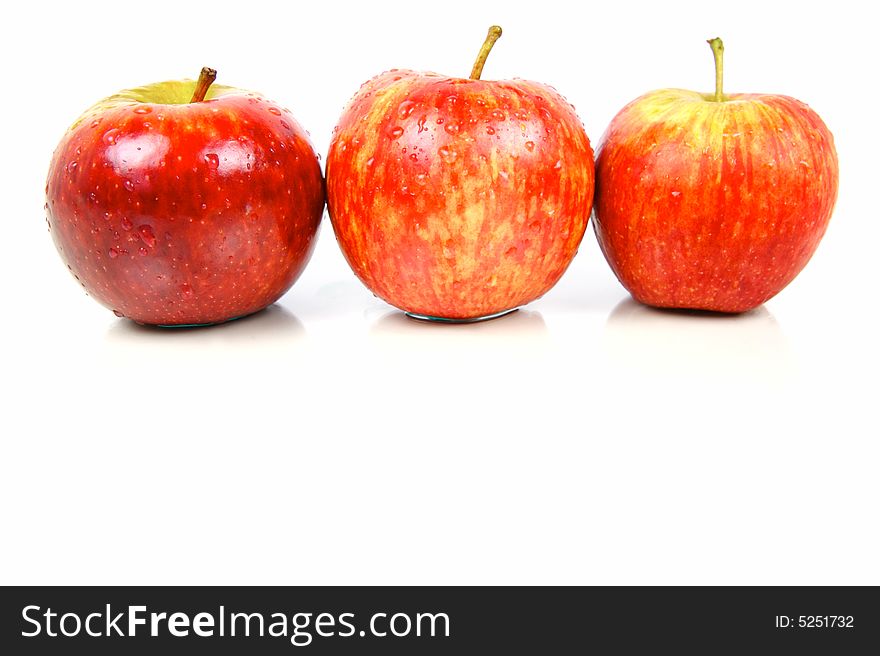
x=518, y=323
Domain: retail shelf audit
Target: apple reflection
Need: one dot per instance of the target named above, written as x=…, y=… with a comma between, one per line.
x=693, y=345
x=272, y=328
x=503, y=346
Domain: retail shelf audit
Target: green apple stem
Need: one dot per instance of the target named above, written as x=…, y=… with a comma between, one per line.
x=717, y=46
x=206, y=79
x=491, y=38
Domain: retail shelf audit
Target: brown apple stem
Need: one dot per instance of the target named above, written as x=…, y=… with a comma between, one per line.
x=717, y=46
x=206, y=79
x=491, y=38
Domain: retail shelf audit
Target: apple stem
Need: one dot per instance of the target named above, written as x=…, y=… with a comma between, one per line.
x=717, y=46
x=206, y=79
x=491, y=38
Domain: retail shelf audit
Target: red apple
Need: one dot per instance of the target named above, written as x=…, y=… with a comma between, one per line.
x=713, y=201
x=459, y=198
x=182, y=203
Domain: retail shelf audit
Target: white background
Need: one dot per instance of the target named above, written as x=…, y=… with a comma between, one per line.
x=329, y=440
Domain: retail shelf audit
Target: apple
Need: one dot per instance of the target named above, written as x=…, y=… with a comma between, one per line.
x=713, y=201
x=185, y=203
x=458, y=198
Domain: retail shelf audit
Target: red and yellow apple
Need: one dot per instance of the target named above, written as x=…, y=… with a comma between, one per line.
x=185, y=203
x=458, y=198
x=713, y=201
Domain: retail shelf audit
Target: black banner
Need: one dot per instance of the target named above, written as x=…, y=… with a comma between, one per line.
x=439, y=620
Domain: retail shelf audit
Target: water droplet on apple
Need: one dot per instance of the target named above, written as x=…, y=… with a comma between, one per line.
x=95, y=123
x=405, y=109
x=414, y=157
x=370, y=161
x=110, y=136
x=395, y=132
x=499, y=115
x=212, y=160
x=119, y=314
x=676, y=194
x=421, y=124
x=142, y=251
x=448, y=154
x=128, y=184
x=421, y=178
x=504, y=175
x=204, y=206
x=530, y=145
x=142, y=109
x=186, y=290
x=452, y=127
x=126, y=223
x=147, y=236
x=558, y=164
x=113, y=253
x=490, y=130
x=71, y=167
x=274, y=110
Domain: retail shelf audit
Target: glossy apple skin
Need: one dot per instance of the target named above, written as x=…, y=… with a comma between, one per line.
x=185, y=214
x=713, y=206
x=456, y=198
